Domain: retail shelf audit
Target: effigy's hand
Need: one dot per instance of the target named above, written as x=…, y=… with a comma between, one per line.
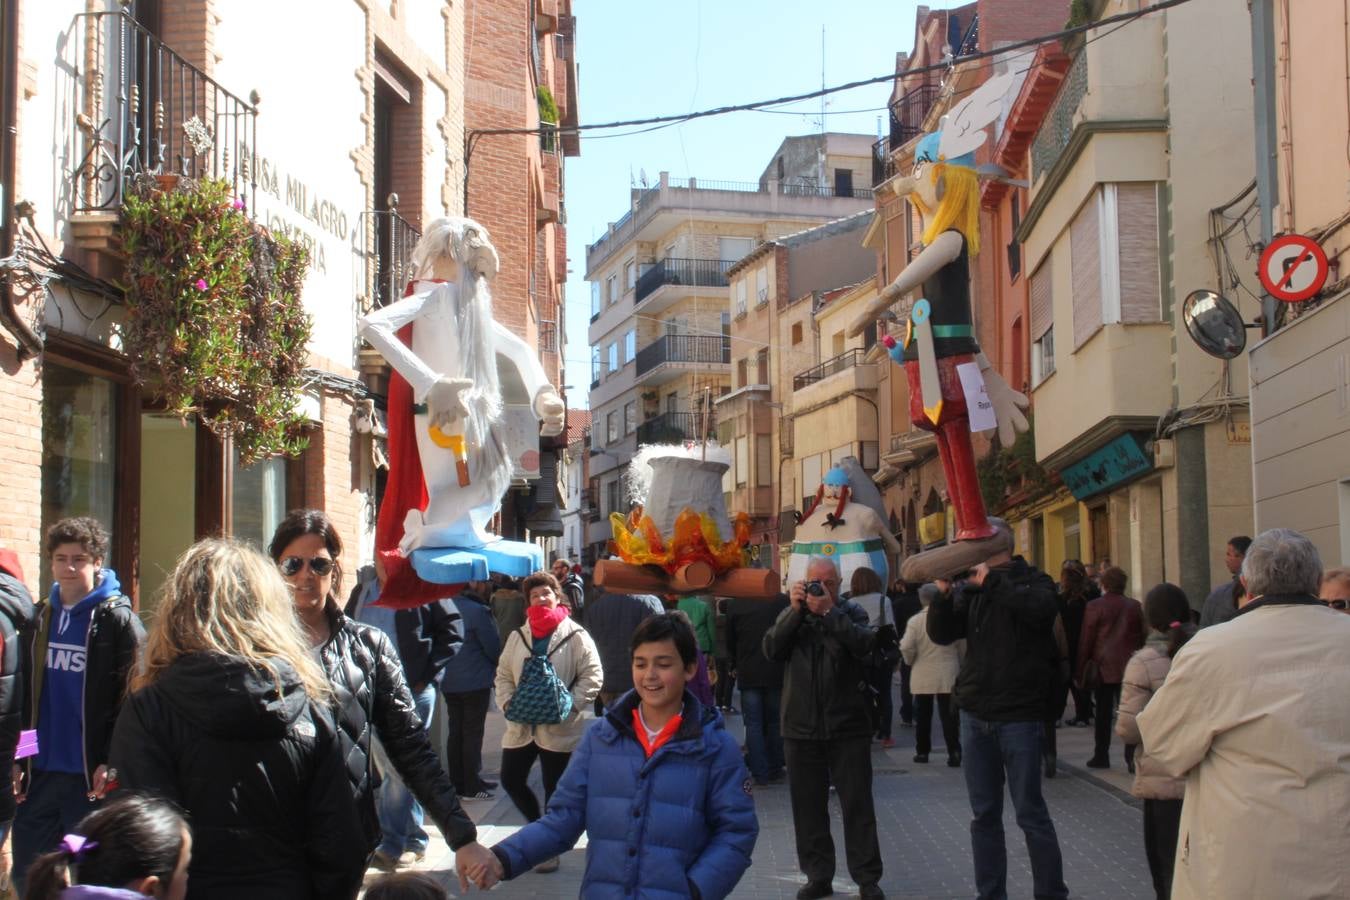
x=445, y=403
x=1009, y=406
x=551, y=410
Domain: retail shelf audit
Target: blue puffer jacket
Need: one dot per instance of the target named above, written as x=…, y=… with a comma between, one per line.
x=680, y=824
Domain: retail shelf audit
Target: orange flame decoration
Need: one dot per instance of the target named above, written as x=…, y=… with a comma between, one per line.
x=696, y=537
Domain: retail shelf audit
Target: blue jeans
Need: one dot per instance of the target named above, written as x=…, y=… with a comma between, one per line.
x=55, y=803
x=991, y=751
x=400, y=814
x=763, y=737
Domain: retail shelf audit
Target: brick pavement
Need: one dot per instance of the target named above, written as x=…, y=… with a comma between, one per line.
x=923, y=817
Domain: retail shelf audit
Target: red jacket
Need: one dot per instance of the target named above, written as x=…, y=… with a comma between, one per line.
x=1113, y=628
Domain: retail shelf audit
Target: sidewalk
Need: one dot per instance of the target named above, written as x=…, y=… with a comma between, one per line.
x=923, y=818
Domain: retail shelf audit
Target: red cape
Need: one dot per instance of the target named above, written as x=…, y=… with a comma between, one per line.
x=405, y=489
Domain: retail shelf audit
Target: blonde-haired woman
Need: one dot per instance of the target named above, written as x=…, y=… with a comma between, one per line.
x=229, y=720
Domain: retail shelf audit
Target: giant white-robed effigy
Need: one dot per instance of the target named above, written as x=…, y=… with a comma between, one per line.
x=449, y=461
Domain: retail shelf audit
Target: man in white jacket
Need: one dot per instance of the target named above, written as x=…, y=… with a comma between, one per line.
x=1256, y=716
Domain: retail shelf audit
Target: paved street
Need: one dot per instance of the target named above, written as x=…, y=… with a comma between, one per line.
x=923, y=817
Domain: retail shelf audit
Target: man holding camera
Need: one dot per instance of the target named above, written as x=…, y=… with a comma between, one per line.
x=827, y=729
x=1005, y=610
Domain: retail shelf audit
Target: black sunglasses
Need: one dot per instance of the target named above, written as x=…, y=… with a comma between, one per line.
x=319, y=565
x=1338, y=604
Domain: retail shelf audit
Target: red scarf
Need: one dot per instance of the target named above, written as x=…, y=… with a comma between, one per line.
x=665, y=734
x=544, y=621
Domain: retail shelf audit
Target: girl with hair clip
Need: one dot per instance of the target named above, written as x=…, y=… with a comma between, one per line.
x=135, y=846
x=229, y=719
x=1169, y=618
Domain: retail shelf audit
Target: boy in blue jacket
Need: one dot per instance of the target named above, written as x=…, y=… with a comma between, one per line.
x=657, y=784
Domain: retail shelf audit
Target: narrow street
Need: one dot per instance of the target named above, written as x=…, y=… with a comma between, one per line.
x=923, y=818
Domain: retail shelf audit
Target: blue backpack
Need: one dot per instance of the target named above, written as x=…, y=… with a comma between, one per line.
x=541, y=698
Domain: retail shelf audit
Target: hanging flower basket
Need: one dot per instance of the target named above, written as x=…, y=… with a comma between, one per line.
x=214, y=321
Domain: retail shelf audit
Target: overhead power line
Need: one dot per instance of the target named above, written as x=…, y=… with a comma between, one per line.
x=852, y=85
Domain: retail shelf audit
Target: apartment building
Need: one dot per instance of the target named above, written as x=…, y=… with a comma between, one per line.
x=1150, y=133
x=661, y=307
x=1300, y=373
x=777, y=345
x=98, y=94
x=520, y=73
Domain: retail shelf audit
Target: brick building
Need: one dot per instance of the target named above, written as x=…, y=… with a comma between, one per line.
x=351, y=172
x=520, y=74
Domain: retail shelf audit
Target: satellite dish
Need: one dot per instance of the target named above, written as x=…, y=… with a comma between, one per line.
x=1214, y=324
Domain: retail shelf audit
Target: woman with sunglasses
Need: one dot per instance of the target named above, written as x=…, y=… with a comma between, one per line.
x=370, y=691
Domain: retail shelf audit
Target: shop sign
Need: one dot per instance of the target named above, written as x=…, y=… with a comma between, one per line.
x=1118, y=462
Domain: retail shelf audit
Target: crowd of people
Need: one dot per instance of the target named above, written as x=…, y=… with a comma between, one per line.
x=267, y=739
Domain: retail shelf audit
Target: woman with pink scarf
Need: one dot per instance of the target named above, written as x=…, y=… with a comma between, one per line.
x=551, y=632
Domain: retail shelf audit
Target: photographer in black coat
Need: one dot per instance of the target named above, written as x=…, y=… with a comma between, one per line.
x=827, y=727
x=1006, y=613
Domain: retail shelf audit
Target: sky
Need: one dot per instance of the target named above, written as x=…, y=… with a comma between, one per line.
x=637, y=59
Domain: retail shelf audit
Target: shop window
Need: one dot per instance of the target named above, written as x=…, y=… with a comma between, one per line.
x=258, y=499
x=79, y=435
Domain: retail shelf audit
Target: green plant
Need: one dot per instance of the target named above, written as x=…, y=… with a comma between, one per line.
x=548, y=109
x=214, y=321
x=1008, y=472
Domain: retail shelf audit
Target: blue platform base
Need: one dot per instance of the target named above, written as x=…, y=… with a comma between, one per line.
x=457, y=565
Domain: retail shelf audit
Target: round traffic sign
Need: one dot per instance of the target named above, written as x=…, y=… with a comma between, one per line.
x=1293, y=268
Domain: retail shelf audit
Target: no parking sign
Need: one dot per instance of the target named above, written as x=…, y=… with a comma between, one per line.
x=1293, y=268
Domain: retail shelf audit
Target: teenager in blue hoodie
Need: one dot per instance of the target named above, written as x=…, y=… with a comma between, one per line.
x=76, y=666
x=657, y=784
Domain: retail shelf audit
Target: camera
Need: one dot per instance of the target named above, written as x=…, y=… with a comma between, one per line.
x=815, y=588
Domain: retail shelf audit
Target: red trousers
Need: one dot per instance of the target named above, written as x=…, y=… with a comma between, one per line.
x=954, y=448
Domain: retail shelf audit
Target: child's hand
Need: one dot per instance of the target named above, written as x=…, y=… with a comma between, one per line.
x=478, y=864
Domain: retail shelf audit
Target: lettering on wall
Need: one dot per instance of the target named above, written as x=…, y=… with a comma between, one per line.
x=321, y=216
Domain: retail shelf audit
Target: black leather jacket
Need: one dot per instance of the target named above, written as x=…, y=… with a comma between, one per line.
x=372, y=694
x=16, y=615
x=822, y=698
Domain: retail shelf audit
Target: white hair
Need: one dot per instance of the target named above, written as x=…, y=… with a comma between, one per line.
x=1282, y=561
x=467, y=243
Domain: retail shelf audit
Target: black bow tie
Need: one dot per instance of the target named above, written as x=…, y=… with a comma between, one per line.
x=833, y=521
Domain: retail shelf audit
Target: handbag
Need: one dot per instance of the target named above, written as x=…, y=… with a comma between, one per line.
x=1092, y=675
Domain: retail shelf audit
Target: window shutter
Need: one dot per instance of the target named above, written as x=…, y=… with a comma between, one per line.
x=1042, y=304
x=1086, y=260
x=1140, y=293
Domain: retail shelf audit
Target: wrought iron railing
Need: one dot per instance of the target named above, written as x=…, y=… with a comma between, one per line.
x=909, y=111
x=846, y=360
x=675, y=428
x=698, y=272
x=883, y=166
x=548, y=336
x=141, y=109
x=684, y=348
x=389, y=253
x=807, y=189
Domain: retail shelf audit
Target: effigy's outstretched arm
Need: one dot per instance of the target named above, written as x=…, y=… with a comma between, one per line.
x=945, y=249
x=380, y=327
x=544, y=399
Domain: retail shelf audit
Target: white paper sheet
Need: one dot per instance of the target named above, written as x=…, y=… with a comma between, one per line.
x=978, y=405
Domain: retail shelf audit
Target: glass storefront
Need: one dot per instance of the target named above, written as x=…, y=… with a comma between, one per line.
x=79, y=439
x=259, y=500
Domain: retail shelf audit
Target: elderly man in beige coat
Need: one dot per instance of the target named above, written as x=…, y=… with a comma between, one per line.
x=1255, y=714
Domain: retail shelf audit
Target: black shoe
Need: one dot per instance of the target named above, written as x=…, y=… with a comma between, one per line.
x=954, y=760
x=870, y=892
x=813, y=889
x=1099, y=762
x=1051, y=769
x=487, y=786
x=921, y=757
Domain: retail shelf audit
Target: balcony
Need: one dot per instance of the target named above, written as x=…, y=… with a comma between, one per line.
x=388, y=257
x=668, y=357
x=674, y=428
x=909, y=111
x=845, y=374
x=910, y=447
x=143, y=110
x=692, y=272
x=655, y=210
x=883, y=166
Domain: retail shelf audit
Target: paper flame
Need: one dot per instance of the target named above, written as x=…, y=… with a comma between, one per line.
x=696, y=538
